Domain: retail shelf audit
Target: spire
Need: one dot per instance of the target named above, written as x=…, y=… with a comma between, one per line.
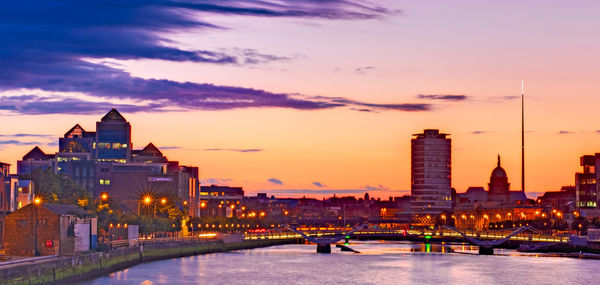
x=498, y=160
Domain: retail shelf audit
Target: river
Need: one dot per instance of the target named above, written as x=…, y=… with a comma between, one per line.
x=377, y=263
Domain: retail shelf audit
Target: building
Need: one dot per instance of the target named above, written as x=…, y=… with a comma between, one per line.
x=48, y=229
x=104, y=162
x=223, y=201
x=586, y=185
x=431, y=173
x=477, y=208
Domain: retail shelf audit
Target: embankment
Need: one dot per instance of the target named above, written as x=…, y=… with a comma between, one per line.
x=69, y=269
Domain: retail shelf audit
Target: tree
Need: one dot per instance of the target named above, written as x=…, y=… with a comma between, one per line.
x=60, y=188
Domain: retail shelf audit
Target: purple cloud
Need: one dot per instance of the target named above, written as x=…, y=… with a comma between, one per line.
x=443, y=97
x=44, y=45
x=275, y=181
x=318, y=184
x=235, y=149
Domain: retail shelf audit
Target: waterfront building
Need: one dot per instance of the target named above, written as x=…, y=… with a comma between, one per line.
x=477, y=208
x=8, y=193
x=221, y=201
x=48, y=229
x=586, y=186
x=104, y=162
x=431, y=173
x=113, y=138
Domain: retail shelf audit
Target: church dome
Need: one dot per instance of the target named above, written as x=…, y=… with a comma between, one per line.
x=499, y=172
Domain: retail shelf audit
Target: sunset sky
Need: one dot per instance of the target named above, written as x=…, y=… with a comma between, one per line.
x=307, y=97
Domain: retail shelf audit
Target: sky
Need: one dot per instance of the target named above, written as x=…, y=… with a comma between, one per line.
x=308, y=97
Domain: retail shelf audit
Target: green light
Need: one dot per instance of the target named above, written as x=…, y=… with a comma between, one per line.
x=427, y=237
x=346, y=243
x=347, y=236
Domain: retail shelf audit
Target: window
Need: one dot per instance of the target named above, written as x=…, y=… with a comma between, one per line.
x=104, y=182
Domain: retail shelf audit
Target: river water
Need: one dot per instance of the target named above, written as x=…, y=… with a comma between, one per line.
x=377, y=263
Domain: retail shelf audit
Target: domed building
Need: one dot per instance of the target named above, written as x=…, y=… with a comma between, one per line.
x=499, y=188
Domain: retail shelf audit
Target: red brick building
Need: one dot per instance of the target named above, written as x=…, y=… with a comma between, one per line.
x=42, y=229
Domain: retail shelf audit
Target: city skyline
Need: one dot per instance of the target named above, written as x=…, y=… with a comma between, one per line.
x=326, y=116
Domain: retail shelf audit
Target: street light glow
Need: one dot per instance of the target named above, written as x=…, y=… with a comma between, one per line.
x=147, y=199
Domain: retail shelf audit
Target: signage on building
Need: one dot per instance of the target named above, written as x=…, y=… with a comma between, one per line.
x=49, y=243
x=160, y=179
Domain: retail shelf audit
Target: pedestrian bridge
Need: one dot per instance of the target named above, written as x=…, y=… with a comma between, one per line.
x=489, y=238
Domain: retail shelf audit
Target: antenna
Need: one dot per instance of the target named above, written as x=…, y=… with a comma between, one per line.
x=523, y=136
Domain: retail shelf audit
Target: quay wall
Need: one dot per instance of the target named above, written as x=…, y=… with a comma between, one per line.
x=69, y=269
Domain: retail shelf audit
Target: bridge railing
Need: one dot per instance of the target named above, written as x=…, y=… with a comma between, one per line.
x=487, y=235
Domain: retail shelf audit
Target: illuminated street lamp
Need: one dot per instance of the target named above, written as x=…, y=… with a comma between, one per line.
x=37, y=200
x=202, y=205
x=163, y=201
x=104, y=196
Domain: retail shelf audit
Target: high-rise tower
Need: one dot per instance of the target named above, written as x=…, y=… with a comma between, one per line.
x=431, y=174
x=113, y=138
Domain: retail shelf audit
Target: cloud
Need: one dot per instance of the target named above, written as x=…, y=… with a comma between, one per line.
x=215, y=181
x=597, y=131
x=169, y=147
x=275, y=181
x=318, y=184
x=375, y=188
x=364, y=69
x=479, y=132
x=563, y=132
x=443, y=97
x=499, y=99
x=65, y=46
x=235, y=149
x=19, y=142
x=26, y=135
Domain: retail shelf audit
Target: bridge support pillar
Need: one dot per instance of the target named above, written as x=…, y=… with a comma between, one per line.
x=323, y=248
x=486, y=250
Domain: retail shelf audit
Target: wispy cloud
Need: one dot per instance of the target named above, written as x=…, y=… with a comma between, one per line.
x=26, y=135
x=443, y=97
x=479, y=132
x=364, y=69
x=318, y=184
x=275, y=181
x=375, y=188
x=19, y=142
x=216, y=181
x=564, y=132
x=235, y=149
x=169, y=147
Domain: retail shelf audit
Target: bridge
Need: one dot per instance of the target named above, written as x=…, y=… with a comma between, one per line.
x=487, y=246
x=324, y=243
x=484, y=239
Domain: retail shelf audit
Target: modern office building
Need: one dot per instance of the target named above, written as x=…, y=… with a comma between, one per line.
x=586, y=184
x=113, y=138
x=105, y=162
x=431, y=174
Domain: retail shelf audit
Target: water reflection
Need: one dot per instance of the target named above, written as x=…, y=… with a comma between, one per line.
x=377, y=263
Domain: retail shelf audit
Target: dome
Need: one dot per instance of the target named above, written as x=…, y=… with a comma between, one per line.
x=499, y=172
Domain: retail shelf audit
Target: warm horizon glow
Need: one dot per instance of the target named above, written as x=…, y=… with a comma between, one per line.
x=456, y=64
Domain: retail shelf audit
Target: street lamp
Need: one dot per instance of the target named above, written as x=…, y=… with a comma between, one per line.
x=104, y=196
x=163, y=201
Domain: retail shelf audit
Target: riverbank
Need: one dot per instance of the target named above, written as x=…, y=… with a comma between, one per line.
x=70, y=269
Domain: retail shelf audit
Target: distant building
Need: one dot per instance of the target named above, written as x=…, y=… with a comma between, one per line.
x=431, y=173
x=8, y=190
x=222, y=201
x=586, y=185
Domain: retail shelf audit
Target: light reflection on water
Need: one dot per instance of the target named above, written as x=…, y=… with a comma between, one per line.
x=378, y=263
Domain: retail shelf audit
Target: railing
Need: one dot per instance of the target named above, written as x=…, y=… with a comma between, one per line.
x=488, y=235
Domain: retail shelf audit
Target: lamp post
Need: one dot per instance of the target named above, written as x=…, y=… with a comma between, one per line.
x=37, y=202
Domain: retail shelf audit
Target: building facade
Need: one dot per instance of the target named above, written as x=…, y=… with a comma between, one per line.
x=586, y=184
x=431, y=173
x=104, y=162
